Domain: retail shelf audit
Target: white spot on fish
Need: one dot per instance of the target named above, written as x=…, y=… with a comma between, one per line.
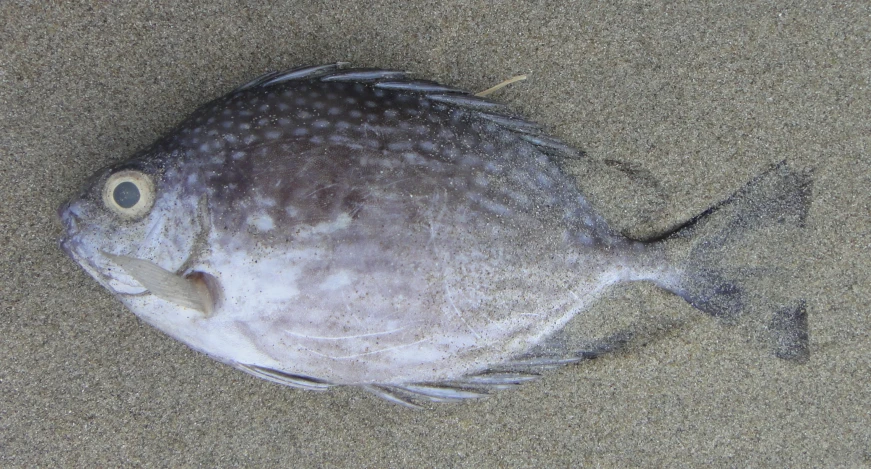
x=336, y=281
x=273, y=134
x=261, y=221
x=411, y=157
x=266, y=202
x=341, y=222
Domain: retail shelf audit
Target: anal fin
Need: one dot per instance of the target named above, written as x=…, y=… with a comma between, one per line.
x=286, y=379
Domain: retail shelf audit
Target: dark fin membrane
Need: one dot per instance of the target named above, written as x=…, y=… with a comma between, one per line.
x=286, y=379
x=636, y=215
x=566, y=348
x=789, y=331
x=397, y=80
x=503, y=376
x=732, y=267
x=552, y=146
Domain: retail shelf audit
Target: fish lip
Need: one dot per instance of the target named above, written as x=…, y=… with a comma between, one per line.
x=63, y=242
x=62, y=209
x=70, y=215
x=69, y=245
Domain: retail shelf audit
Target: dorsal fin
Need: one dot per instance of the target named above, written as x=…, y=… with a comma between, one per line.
x=398, y=80
x=364, y=75
x=299, y=73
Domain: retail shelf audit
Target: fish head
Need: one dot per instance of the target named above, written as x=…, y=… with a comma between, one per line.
x=136, y=209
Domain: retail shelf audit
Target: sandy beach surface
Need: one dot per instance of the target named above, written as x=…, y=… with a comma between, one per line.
x=697, y=97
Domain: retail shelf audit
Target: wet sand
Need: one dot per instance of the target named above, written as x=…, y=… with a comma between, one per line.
x=699, y=99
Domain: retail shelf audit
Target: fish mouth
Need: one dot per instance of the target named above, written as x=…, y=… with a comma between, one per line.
x=95, y=263
x=69, y=221
x=116, y=284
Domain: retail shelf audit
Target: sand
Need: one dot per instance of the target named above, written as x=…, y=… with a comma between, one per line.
x=700, y=98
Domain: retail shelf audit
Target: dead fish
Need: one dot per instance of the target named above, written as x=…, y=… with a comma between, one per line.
x=326, y=226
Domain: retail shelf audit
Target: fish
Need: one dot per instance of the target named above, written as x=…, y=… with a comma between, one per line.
x=330, y=226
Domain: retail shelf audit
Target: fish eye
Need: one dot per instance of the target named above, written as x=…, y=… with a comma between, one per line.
x=129, y=193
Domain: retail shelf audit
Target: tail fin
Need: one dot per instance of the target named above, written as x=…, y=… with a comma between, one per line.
x=731, y=260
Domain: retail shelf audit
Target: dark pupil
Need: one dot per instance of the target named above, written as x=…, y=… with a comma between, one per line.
x=126, y=194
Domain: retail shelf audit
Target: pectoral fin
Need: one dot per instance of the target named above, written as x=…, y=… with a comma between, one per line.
x=194, y=291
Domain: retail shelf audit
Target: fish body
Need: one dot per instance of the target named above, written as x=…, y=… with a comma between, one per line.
x=327, y=226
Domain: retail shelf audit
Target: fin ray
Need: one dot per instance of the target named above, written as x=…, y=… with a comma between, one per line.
x=286, y=379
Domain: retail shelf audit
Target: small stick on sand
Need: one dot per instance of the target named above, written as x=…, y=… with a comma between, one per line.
x=500, y=85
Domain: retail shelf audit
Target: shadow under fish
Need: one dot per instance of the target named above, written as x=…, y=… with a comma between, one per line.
x=327, y=226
